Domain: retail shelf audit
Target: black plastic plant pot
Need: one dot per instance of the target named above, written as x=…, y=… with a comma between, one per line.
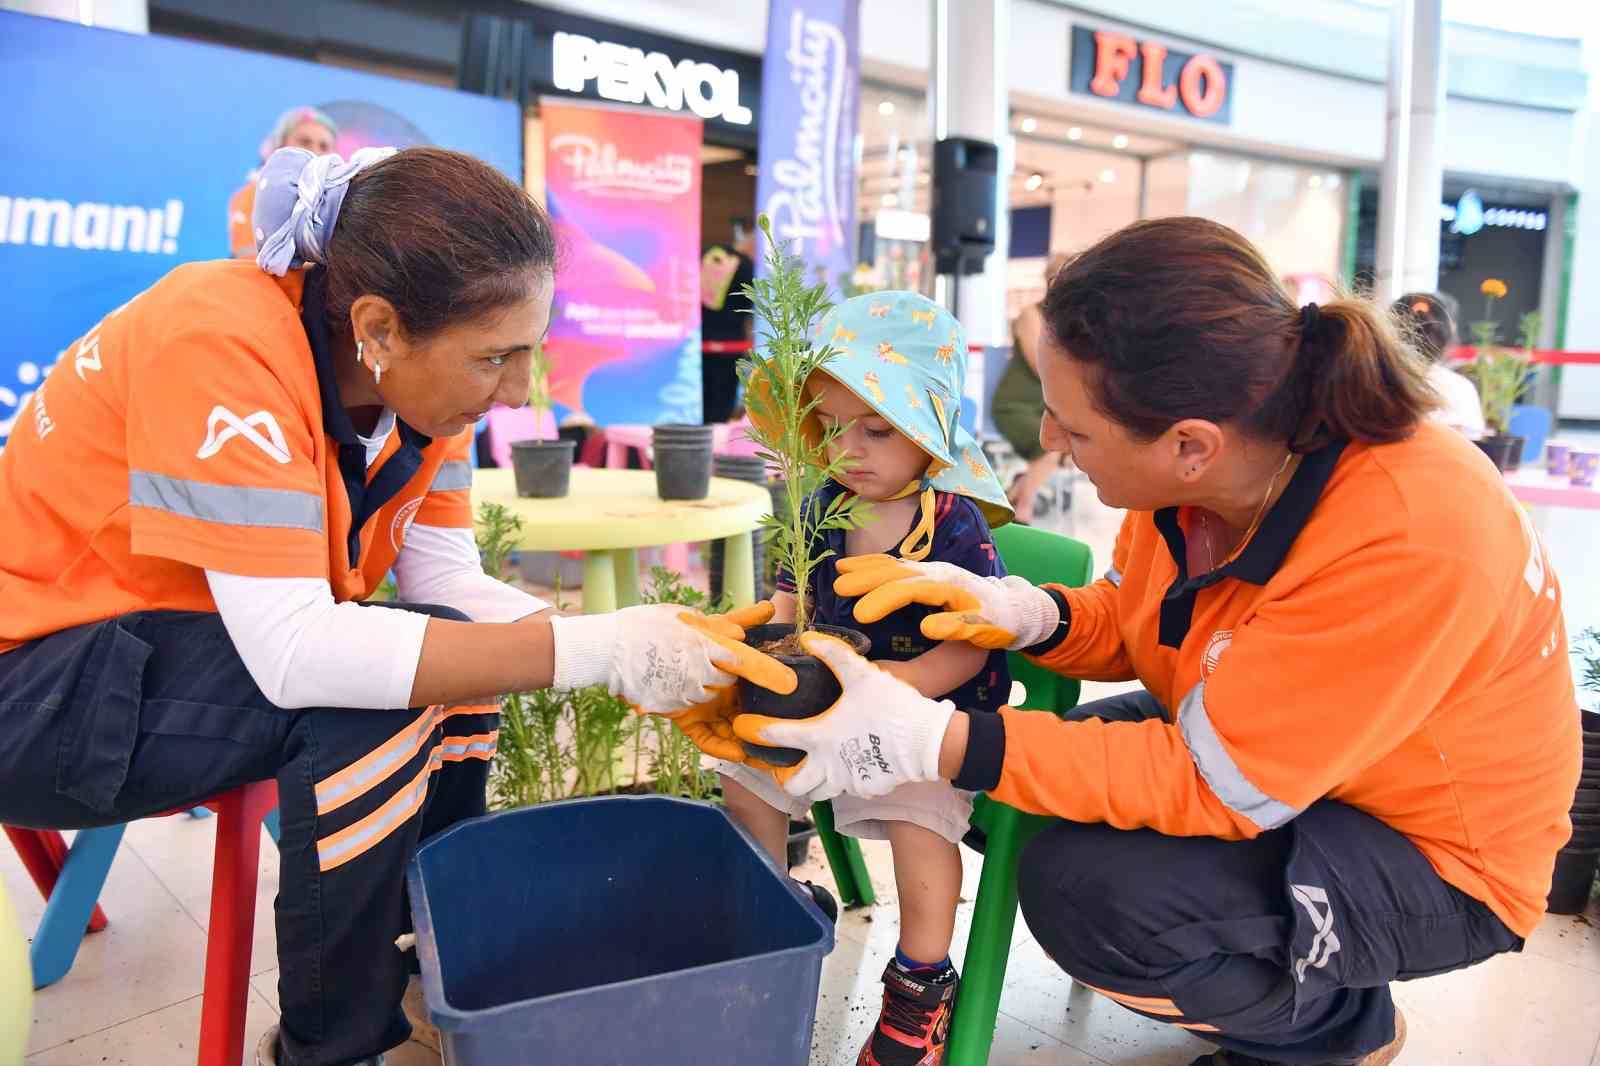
x=1574, y=877
x=542, y=468
x=800, y=834
x=1498, y=449
x=816, y=689
x=1514, y=460
x=1591, y=724
x=683, y=471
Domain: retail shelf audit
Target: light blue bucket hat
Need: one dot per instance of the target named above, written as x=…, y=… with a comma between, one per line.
x=906, y=357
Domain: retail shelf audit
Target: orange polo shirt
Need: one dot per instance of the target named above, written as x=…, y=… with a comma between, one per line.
x=195, y=428
x=1391, y=638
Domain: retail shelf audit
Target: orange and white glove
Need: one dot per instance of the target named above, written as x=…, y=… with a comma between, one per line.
x=989, y=612
x=662, y=658
x=880, y=734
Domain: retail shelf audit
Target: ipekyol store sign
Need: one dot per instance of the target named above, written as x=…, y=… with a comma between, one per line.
x=1148, y=74
x=581, y=57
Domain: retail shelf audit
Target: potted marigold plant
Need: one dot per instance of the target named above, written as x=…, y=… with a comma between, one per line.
x=1499, y=374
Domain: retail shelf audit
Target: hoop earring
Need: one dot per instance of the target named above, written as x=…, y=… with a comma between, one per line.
x=360, y=345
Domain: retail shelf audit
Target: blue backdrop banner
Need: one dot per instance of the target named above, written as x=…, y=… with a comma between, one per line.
x=124, y=150
x=810, y=82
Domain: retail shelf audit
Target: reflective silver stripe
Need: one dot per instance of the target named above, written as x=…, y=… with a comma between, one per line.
x=1219, y=769
x=380, y=823
x=452, y=477
x=1114, y=576
x=478, y=748
x=230, y=505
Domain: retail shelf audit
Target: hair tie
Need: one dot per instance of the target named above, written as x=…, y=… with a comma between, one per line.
x=1309, y=314
x=298, y=197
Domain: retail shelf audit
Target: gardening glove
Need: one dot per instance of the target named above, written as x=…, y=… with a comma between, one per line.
x=879, y=735
x=661, y=658
x=989, y=612
x=709, y=725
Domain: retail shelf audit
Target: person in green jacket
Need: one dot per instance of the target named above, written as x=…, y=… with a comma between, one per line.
x=1018, y=406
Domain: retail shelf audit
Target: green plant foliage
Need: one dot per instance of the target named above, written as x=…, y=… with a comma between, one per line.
x=787, y=311
x=497, y=533
x=1587, y=649
x=539, y=385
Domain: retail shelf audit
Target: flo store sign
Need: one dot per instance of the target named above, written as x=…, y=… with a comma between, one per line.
x=1149, y=74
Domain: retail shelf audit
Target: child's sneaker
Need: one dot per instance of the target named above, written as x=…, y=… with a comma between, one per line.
x=915, y=1021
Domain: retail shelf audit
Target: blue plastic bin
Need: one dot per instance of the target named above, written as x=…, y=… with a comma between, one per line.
x=614, y=931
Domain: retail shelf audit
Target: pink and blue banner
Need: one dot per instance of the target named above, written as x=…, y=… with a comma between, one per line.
x=810, y=85
x=623, y=188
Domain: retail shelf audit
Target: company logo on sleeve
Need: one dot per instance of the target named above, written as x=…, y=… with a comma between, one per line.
x=1219, y=643
x=223, y=425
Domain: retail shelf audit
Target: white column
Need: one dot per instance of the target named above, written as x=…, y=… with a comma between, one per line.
x=1424, y=172
x=1392, y=184
x=1413, y=178
x=967, y=98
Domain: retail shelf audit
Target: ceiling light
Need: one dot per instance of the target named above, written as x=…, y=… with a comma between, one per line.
x=1333, y=181
x=1315, y=181
x=1075, y=134
x=1107, y=176
x=886, y=108
x=890, y=199
x=1120, y=141
x=1030, y=124
x=1035, y=180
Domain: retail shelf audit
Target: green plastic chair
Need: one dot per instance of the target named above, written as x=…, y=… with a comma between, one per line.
x=1039, y=556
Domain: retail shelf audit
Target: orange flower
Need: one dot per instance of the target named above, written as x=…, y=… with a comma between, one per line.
x=1493, y=287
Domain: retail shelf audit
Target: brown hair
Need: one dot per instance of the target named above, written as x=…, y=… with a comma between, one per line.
x=1182, y=318
x=442, y=236
x=1426, y=322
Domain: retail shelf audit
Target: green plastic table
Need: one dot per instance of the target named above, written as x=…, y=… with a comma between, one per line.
x=610, y=514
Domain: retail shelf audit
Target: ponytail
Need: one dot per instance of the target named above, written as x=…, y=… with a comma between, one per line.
x=1183, y=318
x=1353, y=378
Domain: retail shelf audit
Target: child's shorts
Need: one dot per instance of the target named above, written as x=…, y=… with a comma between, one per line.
x=934, y=805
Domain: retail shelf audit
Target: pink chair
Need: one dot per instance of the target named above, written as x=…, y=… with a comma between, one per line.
x=523, y=423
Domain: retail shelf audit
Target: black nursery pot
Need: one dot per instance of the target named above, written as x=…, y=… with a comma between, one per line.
x=683, y=471
x=1498, y=449
x=542, y=468
x=816, y=688
x=1573, y=878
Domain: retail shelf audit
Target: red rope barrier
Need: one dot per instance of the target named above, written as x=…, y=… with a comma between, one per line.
x=1548, y=356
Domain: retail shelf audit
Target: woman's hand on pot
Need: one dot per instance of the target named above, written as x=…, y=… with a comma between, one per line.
x=990, y=612
x=662, y=658
x=879, y=735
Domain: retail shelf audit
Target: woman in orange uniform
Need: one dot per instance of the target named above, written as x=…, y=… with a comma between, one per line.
x=298, y=127
x=207, y=487
x=1357, y=739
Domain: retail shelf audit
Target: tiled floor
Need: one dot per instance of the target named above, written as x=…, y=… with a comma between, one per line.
x=133, y=997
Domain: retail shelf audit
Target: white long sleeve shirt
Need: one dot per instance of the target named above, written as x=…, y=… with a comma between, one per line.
x=305, y=650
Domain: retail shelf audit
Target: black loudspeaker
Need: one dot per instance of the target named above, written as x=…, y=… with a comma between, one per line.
x=964, y=176
x=492, y=57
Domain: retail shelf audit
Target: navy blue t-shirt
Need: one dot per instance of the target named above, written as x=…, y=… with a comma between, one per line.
x=961, y=537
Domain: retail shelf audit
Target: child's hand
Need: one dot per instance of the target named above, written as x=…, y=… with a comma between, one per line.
x=989, y=612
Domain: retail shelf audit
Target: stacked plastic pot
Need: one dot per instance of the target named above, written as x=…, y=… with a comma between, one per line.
x=1576, y=863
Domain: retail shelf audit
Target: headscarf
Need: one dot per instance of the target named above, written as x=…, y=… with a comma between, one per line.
x=298, y=197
